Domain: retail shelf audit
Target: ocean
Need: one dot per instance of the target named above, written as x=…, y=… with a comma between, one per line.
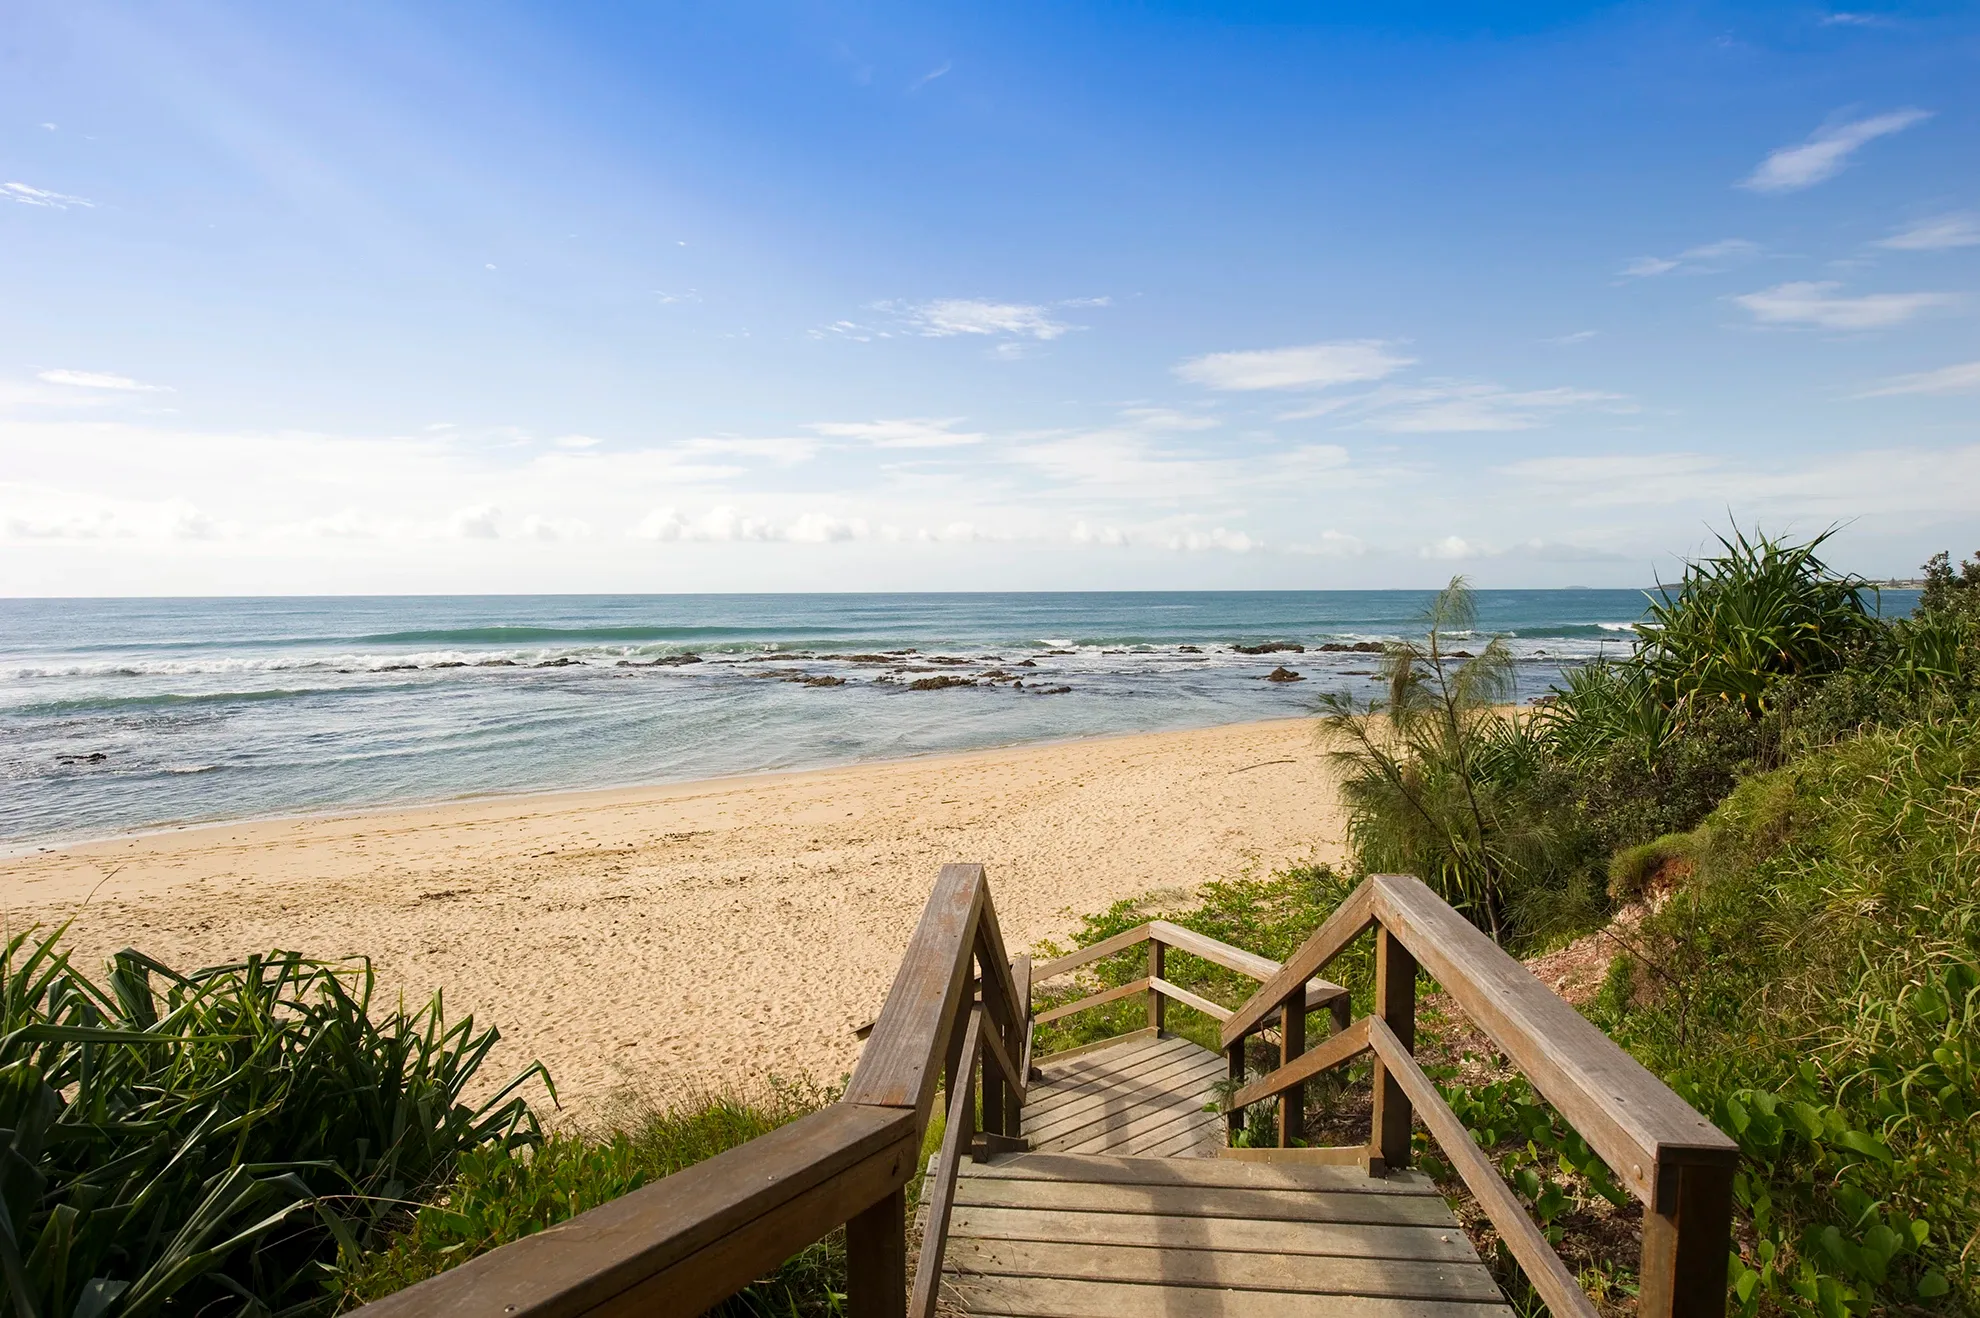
x=137, y=714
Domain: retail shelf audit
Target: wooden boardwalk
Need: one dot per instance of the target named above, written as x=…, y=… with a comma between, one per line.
x=1074, y=1229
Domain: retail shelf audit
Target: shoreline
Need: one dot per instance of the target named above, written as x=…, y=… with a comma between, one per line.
x=715, y=931
x=10, y=852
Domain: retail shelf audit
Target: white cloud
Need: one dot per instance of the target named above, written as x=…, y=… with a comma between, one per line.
x=1806, y=302
x=1333, y=544
x=480, y=522
x=1110, y=536
x=538, y=527
x=949, y=317
x=1450, y=549
x=1569, y=340
x=99, y=380
x=575, y=443
x=1846, y=19
x=823, y=529
x=940, y=70
x=1460, y=408
x=28, y=196
x=1235, y=542
x=1959, y=379
x=1313, y=366
x=1824, y=154
x=1936, y=234
x=1707, y=258
x=901, y=432
x=1913, y=482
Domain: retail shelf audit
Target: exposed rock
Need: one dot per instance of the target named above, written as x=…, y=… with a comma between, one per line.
x=94, y=757
x=944, y=659
x=1024, y=663
x=1062, y=652
x=564, y=661
x=1271, y=647
x=1358, y=647
x=1460, y=654
x=807, y=679
x=496, y=663
x=1050, y=690
x=675, y=660
x=396, y=668
x=451, y=663
x=1188, y=649
x=943, y=682
x=1283, y=674
x=868, y=658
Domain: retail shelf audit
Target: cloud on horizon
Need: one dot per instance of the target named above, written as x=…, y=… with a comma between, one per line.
x=1812, y=303
x=1935, y=235
x=1313, y=366
x=1826, y=152
x=99, y=380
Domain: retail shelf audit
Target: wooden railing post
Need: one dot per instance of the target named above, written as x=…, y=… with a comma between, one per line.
x=1292, y=1042
x=1234, y=1118
x=1395, y=1006
x=876, y=1260
x=1157, y=1004
x=1687, y=1236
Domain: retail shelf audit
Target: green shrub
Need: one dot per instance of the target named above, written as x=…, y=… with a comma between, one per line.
x=1816, y=988
x=178, y=1142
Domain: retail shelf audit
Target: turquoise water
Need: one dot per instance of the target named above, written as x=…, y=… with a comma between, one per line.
x=119, y=715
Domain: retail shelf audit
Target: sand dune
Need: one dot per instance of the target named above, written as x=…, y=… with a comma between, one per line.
x=705, y=932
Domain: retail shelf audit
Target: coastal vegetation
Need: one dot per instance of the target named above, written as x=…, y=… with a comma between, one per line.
x=1761, y=827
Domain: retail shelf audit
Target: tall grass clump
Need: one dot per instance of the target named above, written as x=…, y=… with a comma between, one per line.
x=219, y=1140
x=1443, y=780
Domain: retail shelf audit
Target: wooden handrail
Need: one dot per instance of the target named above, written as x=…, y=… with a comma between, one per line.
x=1669, y=1156
x=692, y=1239
x=942, y=1195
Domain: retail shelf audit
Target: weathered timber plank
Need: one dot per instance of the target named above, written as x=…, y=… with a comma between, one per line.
x=1110, y=1058
x=1066, y=1055
x=1202, y=1140
x=1176, y=991
x=901, y=1063
x=1186, y=1086
x=1148, y=1074
x=1100, y=999
x=1441, y=1243
x=1154, y=1081
x=1544, y=1269
x=1333, y=1051
x=1308, y=1274
x=705, y=1231
x=1348, y=1155
x=1106, y=1170
x=1261, y=968
x=1034, y=1297
x=1349, y=919
x=1195, y=1201
x=1106, y=947
x=1145, y=1121
x=1625, y=1113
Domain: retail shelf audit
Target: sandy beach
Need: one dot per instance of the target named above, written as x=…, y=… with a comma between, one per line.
x=705, y=932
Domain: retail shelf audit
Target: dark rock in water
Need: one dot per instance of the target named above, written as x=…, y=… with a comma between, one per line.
x=1188, y=649
x=943, y=682
x=1357, y=672
x=805, y=679
x=1271, y=647
x=452, y=663
x=564, y=662
x=1051, y=690
x=1113, y=652
x=676, y=660
x=1283, y=674
x=1024, y=663
x=94, y=757
x=1539, y=652
x=868, y=658
x=496, y=663
x=897, y=652
x=944, y=659
x=1062, y=652
x=396, y=668
x=1460, y=654
x=1359, y=647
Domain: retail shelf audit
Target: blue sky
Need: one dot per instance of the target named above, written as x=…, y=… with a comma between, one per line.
x=349, y=297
